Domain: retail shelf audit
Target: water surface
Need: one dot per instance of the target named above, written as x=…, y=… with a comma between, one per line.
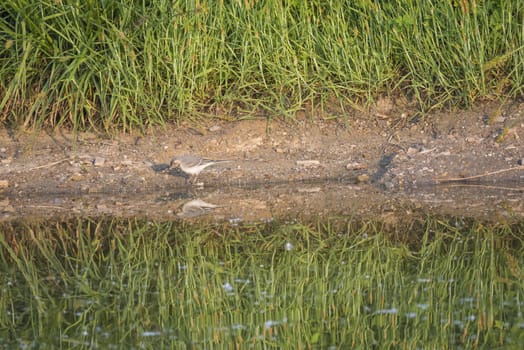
x=340, y=283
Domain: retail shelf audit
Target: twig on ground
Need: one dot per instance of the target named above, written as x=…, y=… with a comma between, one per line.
x=453, y=179
x=489, y=187
x=49, y=164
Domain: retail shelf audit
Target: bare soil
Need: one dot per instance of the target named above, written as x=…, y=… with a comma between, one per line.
x=378, y=163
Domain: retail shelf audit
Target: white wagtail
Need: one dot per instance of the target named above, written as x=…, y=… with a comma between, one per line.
x=196, y=207
x=192, y=165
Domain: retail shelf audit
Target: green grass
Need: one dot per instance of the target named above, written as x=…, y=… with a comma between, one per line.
x=138, y=284
x=126, y=65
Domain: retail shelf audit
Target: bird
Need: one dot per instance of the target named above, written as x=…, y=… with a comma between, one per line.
x=192, y=165
x=196, y=207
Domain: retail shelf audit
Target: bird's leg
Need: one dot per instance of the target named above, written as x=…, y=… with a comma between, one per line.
x=193, y=179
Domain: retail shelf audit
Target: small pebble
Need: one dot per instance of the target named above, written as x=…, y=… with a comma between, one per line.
x=94, y=189
x=99, y=161
x=77, y=177
x=9, y=209
x=356, y=166
x=309, y=190
x=412, y=150
x=363, y=178
x=101, y=208
x=308, y=163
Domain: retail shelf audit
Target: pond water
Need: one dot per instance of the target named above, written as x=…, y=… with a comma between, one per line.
x=436, y=282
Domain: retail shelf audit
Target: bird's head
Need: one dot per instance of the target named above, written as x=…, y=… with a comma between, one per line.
x=175, y=162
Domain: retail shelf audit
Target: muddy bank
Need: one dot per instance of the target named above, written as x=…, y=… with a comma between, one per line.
x=376, y=164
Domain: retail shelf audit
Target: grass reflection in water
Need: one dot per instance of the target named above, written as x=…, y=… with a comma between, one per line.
x=129, y=283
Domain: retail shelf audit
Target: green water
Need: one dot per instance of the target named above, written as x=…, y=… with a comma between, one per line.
x=126, y=284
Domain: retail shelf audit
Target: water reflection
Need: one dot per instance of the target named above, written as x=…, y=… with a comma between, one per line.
x=126, y=283
x=195, y=207
x=264, y=202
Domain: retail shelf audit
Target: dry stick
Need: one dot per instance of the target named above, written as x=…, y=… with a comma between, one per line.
x=50, y=164
x=48, y=207
x=477, y=176
x=489, y=187
x=57, y=162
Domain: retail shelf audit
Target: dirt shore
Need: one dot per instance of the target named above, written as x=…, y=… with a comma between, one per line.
x=378, y=163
